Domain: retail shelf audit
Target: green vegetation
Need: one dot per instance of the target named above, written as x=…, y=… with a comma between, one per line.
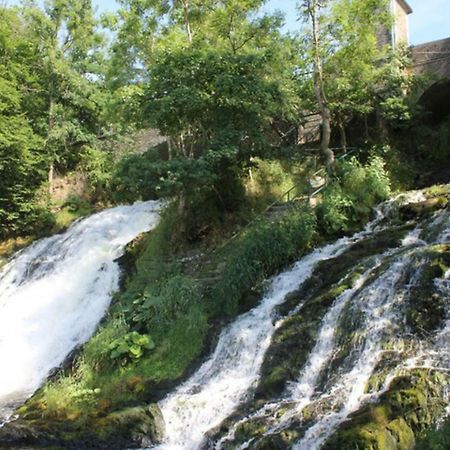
x=233, y=96
x=436, y=439
x=250, y=260
x=71, y=99
x=351, y=195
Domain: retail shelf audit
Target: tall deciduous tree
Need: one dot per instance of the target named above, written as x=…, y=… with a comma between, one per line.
x=311, y=11
x=352, y=73
x=20, y=160
x=70, y=50
x=52, y=99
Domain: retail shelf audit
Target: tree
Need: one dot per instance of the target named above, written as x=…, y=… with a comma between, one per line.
x=20, y=160
x=311, y=10
x=52, y=101
x=146, y=29
x=352, y=74
x=70, y=76
x=356, y=64
x=210, y=75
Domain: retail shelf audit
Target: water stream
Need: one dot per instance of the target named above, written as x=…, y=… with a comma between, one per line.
x=228, y=378
x=54, y=293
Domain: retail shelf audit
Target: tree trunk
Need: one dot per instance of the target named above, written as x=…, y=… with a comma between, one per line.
x=326, y=136
x=51, y=124
x=51, y=171
x=187, y=22
x=169, y=149
x=312, y=9
x=343, y=136
x=181, y=212
x=182, y=146
x=381, y=125
x=366, y=128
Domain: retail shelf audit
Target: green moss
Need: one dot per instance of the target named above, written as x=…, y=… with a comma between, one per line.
x=437, y=190
x=411, y=405
x=403, y=434
x=250, y=429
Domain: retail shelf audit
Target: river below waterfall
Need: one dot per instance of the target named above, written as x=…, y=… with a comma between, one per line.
x=54, y=293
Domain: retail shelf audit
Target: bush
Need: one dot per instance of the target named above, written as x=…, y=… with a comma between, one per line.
x=160, y=304
x=130, y=347
x=348, y=200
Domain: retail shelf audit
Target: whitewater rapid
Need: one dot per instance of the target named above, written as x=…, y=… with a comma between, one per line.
x=54, y=293
x=228, y=377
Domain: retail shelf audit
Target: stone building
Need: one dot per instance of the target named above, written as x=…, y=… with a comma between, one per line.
x=399, y=32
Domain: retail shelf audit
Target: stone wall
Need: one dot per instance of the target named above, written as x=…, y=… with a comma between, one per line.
x=432, y=58
x=401, y=11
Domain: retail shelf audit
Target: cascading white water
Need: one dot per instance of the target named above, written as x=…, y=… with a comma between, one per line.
x=223, y=381
x=303, y=391
x=377, y=302
x=227, y=377
x=54, y=293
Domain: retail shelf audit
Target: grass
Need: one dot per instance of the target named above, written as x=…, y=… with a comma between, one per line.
x=250, y=259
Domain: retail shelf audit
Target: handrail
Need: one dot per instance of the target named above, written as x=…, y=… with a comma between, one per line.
x=307, y=197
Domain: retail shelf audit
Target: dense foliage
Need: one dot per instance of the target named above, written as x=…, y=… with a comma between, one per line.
x=52, y=104
x=219, y=79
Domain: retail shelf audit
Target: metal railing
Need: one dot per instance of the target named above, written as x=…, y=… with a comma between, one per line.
x=287, y=198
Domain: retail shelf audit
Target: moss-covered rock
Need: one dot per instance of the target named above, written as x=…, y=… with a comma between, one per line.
x=426, y=305
x=129, y=428
x=285, y=357
x=411, y=405
x=422, y=209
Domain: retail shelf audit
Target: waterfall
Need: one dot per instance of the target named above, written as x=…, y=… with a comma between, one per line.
x=54, y=293
x=380, y=304
x=228, y=378
x=223, y=381
x=377, y=302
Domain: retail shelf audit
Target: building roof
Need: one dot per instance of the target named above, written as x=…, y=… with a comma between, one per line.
x=404, y=4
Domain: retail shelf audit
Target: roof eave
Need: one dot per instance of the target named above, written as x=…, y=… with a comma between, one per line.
x=406, y=6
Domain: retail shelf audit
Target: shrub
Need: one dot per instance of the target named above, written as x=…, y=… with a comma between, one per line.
x=351, y=195
x=130, y=347
x=161, y=304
